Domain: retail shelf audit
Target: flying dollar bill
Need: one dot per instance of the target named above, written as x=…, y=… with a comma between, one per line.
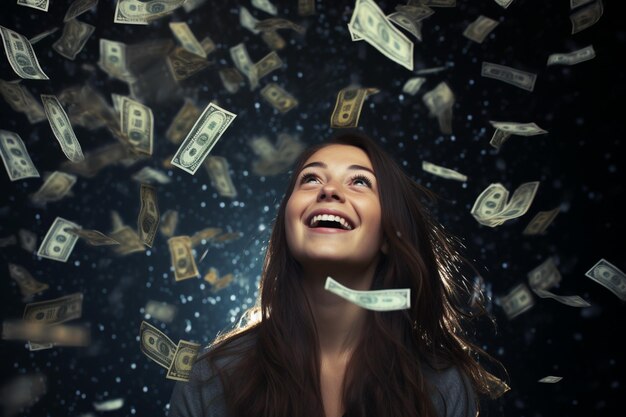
x=183, y=360
x=587, y=16
x=609, y=276
x=517, y=301
x=28, y=284
x=267, y=64
x=21, y=55
x=28, y=240
x=280, y=99
x=570, y=300
x=183, y=64
x=151, y=175
x=550, y=379
x=187, y=39
x=74, y=38
x=168, y=223
x=241, y=59
x=56, y=186
x=161, y=311
x=572, y=58
x=62, y=128
x=247, y=20
x=370, y=23
x=407, y=22
x=306, y=7
x=491, y=207
x=113, y=60
x=137, y=123
x=202, y=137
x=42, y=35
x=478, y=30
x=440, y=101
x=108, y=405
x=518, y=78
x=377, y=300
x=544, y=276
x=156, y=345
x=183, y=261
x=443, y=172
x=15, y=157
x=266, y=6
x=142, y=12
x=58, y=242
x=129, y=241
x=77, y=8
x=273, y=40
x=577, y=3
x=55, y=311
x=59, y=334
x=348, y=106
x=218, y=169
x=149, y=216
x=35, y=4
x=413, y=85
x=540, y=222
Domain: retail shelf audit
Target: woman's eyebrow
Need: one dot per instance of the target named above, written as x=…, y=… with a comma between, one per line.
x=323, y=165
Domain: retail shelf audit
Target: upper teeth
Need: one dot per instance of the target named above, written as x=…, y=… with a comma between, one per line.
x=329, y=217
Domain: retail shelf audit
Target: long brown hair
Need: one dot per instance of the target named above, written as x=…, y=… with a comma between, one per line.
x=278, y=374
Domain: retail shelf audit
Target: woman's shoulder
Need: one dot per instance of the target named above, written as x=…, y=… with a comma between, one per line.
x=452, y=393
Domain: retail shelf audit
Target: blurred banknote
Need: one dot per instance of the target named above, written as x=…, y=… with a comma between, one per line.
x=204, y=235
x=540, y=222
x=59, y=335
x=59, y=241
x=609, y=276
x=58, y=310
x=505, y=129
x=21, y=55
x=306, y=7
x=572, y=58
x=266, y=6
x=267, y=64
x=42, y=35
x=370, y=23
x=504, y=3
x=480, y=28
x=247, y=20
x=137, y=123
x=185, y=356
x=440, y=102
x=570, y=300
x=183, y=64
x=202, y=137
x=187, y=39
x=348, y=106
x=275, y=159
x=77, y=8
x=218, y=169
x=21, y=100
x=491, y=207
x=62, y=128
x=377, y=300
x=182, y=123
x=518, y=78
x=28, y=240
x=21, y=392
x=113, y=59
x=94, y=237
x=74, y=38
x=550, y=379
x=280, y=99
x=142, y=12
x=413, y=85
x=517, y=301
x=231, y=79
x=151, y=175
x=108, y=405
x=217, y=283
x=443, y=172
x=587, y=16
x=161, y=311
x=156, y=345
x=273, y=40
x=183, y=261
x=405, y=20
x=274, y=23
x=129, y=241
x=15, y=157
x=149, y=216
x=544, y=276
x=168, y=223
x=27, y=283
x=241, y=59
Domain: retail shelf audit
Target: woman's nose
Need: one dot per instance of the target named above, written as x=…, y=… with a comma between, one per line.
x=330, y=191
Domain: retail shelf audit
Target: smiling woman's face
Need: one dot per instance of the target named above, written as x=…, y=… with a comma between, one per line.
x=337, y=179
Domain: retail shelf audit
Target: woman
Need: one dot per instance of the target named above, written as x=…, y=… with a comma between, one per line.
x=310, y=352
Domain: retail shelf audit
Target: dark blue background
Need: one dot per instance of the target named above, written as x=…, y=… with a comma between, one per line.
x=579, y=163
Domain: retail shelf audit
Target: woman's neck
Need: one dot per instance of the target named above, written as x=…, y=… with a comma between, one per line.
x=339, y=322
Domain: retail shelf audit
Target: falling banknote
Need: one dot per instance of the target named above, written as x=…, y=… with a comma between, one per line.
x=15, y=157
x=609, y=276
x=59, y=241
x=21, y=55
x=202, y=137
x=491, y=207
x=156, y=345
x=377, y=300
x=180, y=368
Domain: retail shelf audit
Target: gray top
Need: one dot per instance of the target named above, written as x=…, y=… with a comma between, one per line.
x=192, y=399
